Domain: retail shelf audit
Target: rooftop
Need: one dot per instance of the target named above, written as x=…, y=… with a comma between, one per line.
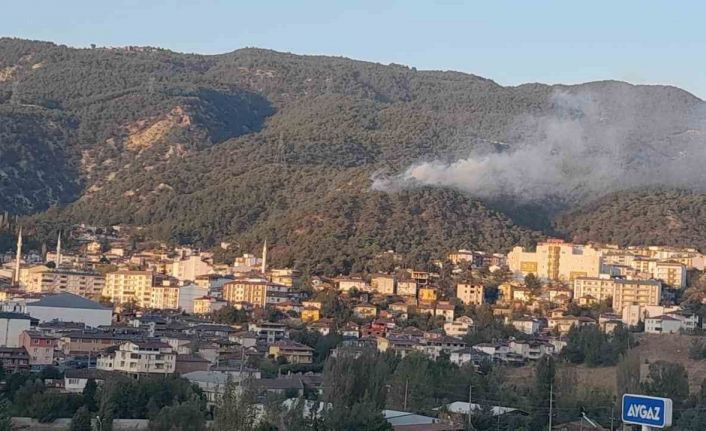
x=67, y=300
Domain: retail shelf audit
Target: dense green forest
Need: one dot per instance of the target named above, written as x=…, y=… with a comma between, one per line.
x=257, y=144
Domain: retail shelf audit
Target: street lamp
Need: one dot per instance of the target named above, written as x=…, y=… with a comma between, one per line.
x=100, y=423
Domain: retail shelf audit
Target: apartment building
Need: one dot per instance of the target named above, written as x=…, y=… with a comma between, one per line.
x=407, y=287
x=293, y=352
x=190, y=267
x=40, y=347
x=40, y=279
x=636, y=292
x=599, y=288
x=284, y=276
x=383, y=284
x=470, y=294
x=88, y=342
x=427, y=294
x=127, y=286
x=556, y=260
x=346, y=284
x=139, y=357
x=672, y=273
x=208, y=304
x=250, y=290
x=165, y=297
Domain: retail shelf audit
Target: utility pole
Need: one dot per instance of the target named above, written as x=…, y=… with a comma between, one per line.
x=406, y=385
x=551, y=401
x=470, y=396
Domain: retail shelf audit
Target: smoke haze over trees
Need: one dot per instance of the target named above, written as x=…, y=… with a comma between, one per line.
x=588, y=144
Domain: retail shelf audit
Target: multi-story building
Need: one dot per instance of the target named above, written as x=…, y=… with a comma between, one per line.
x=636, y=292
x=208, y=304
x=14, y=358
x=672, y=273
x=129, y=286
x=188, y=268
x=599, y=288
x=470, y=294
x=670, y=323
x=623, y=291
x=427, y=294
x=284, y=276
x=88, y=342
x=383, y=283
x=632, y=315
x=556, y=260
x=346, y=284
x=40, y=347
x=444, y=309
x=461, y=256
x=250, y=290
x=139, y=357
x=40, y=279
x=407, y=287
x=459, y=327
x=165, y=297
x=310, y=314
x=528, y=325
x=294, y=353
x=12, y=325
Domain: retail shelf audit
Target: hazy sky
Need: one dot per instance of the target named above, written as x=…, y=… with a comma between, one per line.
x=510, y=42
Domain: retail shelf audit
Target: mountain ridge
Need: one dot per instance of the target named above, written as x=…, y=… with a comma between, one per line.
x=256, y=144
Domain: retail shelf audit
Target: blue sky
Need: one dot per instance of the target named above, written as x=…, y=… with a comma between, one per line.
x=511, y=42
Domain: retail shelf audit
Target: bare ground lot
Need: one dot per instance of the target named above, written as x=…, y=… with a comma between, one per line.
x=671, y=348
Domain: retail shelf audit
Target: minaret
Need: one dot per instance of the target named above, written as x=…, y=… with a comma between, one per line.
x=58, y=251
x=264, y=257
x=18, y=258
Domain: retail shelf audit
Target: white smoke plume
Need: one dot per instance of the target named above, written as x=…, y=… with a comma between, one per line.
x=588, y=145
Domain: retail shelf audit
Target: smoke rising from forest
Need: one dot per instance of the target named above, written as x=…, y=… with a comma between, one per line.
x=587, y=145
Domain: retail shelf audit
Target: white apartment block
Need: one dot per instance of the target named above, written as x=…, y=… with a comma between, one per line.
x=188, y=268
x=470, y=294
x=126, y=286
x=139, y=357
x=556, y=260
x=670, y=323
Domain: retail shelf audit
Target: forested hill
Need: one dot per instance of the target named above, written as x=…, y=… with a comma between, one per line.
x=258, y=144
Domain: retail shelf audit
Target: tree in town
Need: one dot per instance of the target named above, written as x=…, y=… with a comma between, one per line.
x=186, y=416
x=5, y=417
x=627, y=374
x=669, y=380
x=89, y=395
x=355, y=388
x=533, y=282
x=545, y=372
x=236, y=410
x=81, y=420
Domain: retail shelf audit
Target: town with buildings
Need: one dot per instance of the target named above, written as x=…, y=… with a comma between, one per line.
x=102, y=308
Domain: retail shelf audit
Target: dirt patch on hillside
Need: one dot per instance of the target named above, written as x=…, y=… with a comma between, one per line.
x=670, y=348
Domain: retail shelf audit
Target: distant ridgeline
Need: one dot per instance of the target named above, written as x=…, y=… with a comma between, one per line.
x=256, y=144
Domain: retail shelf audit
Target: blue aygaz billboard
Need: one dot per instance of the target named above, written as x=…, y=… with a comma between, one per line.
x=650, y=411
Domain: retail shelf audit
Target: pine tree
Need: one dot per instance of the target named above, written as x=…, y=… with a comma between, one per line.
x=81, y=421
